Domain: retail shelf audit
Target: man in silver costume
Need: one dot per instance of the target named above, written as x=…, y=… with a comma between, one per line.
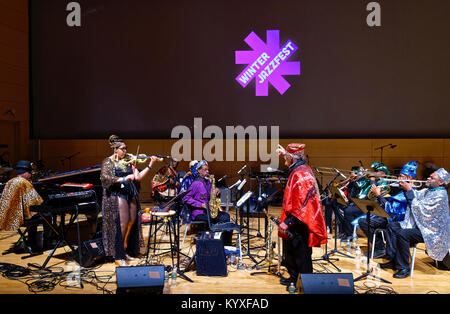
x=426, y=220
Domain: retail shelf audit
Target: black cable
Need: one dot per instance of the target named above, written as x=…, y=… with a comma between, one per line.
x=45, y=280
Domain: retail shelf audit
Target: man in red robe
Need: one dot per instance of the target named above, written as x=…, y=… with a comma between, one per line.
x=301, y=214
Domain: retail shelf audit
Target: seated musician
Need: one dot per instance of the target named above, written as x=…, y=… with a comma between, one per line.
x=165, y=183
x=427, y=219
x=331, y=204
x=359, y=188
x=17, y=197
x=198, y=196
x=395, y=206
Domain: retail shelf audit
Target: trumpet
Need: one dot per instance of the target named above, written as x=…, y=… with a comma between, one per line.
x=396, y=182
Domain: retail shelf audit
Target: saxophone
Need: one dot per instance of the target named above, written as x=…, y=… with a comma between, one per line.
x=214, y=202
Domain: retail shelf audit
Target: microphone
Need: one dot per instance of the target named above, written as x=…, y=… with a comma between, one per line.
x=241, y=169
x=221, y=178
x=242, y=184
x=393, y=146
x=163, y=156
x=235, y=184
x=339, y=173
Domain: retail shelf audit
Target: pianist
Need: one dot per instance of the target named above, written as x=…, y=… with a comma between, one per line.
x=17, y=197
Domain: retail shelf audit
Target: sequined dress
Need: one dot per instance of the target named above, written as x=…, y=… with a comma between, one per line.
x=111, y=232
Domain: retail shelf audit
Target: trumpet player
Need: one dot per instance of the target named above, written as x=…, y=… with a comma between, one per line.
x=426, y=220
x=395, y=206
x=360, y=188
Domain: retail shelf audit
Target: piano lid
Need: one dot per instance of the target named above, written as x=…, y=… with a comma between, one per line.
x=71, y=174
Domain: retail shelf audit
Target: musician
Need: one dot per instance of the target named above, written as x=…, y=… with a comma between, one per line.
x=165, y=183
x=359, y=188
x=17, y=197
x=395, y=206
x=120, y=180
x=426, y=220
x=189, y=177
x=198, y=196
x=301, y=214
x=331, y=204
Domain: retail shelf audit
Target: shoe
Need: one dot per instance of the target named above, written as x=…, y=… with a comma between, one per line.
x=121, y=262
x=286, y=281
x=129, y=258
x=379, y=253
x=389, y=265
x=402, y=273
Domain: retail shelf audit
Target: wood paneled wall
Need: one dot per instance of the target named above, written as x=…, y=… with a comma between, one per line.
x=339, y=153
x=14, y=74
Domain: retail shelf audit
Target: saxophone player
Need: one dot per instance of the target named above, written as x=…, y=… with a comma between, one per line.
x=198, y=196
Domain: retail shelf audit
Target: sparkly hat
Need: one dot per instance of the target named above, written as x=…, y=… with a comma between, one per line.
x=201, y=164
x=378, y=166
x=443, y=175
x=410, y=169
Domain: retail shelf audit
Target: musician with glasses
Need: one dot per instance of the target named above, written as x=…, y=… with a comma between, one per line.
x=427, y=219
x=395, y=206
x=120, y=180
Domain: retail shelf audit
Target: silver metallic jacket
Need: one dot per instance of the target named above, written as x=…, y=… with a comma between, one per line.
x=430, y=213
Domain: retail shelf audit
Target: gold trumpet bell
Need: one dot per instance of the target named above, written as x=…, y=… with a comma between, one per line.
x=385, y=190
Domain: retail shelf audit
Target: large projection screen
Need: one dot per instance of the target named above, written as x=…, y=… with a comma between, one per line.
x=139, y=68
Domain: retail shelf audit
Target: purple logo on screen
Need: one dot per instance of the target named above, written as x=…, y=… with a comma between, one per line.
x=267, y=62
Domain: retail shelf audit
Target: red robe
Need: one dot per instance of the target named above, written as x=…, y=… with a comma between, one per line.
x=302, y=200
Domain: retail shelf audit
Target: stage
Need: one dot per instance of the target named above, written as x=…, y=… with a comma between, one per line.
x=101, y=279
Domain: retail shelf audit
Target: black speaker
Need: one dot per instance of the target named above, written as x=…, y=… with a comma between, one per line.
x=328, y=283
x=140, y=279
x=92, y=251
x=210, y=257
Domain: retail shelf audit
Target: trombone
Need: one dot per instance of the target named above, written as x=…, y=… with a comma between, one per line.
x=396, y=182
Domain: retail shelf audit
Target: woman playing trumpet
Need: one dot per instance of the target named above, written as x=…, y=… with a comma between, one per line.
x=121, y=208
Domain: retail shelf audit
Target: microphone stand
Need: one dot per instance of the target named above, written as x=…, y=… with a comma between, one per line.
x=381, y=148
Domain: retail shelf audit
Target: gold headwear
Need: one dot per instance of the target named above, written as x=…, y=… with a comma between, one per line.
x=115, y=141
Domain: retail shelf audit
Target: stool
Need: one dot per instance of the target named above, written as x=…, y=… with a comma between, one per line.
x=413, y=259
x=374, y=237
x=161, y=219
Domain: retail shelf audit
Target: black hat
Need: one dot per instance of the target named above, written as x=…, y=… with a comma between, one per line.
x=23, y=166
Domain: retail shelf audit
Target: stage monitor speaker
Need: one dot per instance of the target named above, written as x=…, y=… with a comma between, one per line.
x=210, y=257
x=91, y=252
x=328, y=283
x=140, y=279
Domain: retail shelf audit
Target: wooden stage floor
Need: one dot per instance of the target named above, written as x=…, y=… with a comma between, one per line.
x=102, y=279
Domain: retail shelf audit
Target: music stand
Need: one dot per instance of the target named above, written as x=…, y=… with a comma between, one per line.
x=370, y=208
x=342, y=200
x=239, y=203
x=165, y=208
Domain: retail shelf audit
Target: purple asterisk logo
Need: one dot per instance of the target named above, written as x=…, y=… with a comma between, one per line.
x=267, y=62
